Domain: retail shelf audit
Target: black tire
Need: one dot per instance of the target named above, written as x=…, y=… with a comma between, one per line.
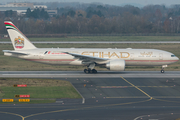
x=86, y=71
x=94, y=71
x=162, y=71
x=89, y=71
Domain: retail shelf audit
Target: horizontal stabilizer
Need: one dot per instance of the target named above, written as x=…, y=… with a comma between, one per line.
x=8, y=51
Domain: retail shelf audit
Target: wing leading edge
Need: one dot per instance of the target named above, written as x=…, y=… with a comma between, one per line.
x=85, y=58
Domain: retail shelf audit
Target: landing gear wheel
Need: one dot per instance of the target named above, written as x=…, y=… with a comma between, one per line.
x=89, y=71
x=94, y=71
x=162, y=70
x=86, y=71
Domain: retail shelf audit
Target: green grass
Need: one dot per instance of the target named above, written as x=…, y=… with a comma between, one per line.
x=45, y=89
x=106, y=38
x=10, y=63
x=40, y=92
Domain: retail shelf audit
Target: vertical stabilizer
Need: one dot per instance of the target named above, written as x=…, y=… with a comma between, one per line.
x=18, y=39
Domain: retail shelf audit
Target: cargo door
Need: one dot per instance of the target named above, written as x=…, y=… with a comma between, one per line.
x=41, y=55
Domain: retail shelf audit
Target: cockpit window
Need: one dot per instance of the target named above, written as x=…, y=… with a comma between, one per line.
x=173, y=56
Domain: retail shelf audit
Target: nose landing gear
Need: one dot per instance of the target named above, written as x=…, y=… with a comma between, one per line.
x=162, y=71
x=164, y=66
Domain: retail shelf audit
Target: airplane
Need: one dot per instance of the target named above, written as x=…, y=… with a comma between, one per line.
x=112, y=59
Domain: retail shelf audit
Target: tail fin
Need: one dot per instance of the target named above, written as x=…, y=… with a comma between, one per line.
x=18, y=39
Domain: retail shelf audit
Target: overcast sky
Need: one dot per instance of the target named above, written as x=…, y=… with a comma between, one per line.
x=112, y=2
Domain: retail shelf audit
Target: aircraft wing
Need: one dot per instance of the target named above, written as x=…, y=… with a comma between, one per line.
x=18, y=53
x=86, y=58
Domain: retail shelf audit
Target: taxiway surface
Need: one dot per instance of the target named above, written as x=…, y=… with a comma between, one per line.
x=81, y=74
x=107, y=98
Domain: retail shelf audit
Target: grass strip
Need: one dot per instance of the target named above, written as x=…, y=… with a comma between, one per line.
x=106, y=38
x=38, y=89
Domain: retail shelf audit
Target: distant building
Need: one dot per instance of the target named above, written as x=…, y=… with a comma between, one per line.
x=21, y=8
x=40, y=6
x=52, y=12
x=29, y=5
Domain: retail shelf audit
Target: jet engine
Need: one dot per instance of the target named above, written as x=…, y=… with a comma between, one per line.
x=116, y=65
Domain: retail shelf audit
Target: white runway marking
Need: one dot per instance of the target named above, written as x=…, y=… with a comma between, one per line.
x=36, y=74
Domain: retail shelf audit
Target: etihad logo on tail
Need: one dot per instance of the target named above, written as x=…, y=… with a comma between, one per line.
x=19, y=42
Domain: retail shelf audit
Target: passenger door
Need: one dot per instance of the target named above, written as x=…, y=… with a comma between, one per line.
x=160, y=56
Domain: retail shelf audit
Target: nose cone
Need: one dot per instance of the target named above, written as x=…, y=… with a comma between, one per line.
x=177, y=58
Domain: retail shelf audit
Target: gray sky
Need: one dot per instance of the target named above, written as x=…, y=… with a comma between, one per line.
x=112, y=2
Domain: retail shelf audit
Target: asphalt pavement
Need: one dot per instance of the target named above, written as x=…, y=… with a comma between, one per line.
x=117, y=98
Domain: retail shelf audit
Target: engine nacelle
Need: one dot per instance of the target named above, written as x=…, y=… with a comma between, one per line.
x=116, y=65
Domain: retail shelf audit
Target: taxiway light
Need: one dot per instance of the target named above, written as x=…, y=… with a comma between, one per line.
x=7, y=100
x=24, y=100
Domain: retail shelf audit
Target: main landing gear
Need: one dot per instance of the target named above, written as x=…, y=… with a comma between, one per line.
x=164, y=66
x=90, y=69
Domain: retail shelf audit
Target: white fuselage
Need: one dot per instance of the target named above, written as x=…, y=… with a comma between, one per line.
x=132, y=57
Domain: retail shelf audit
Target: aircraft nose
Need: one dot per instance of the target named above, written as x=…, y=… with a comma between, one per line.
x=177, y=58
